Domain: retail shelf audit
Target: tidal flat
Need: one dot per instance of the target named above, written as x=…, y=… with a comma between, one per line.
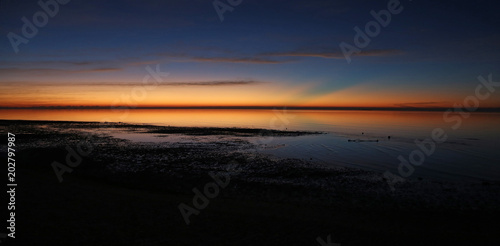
x=127, y=187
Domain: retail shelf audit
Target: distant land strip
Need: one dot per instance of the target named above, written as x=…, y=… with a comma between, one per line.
x=257, y=107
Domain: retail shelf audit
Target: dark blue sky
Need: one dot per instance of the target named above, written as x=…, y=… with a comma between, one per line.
x=285, y=52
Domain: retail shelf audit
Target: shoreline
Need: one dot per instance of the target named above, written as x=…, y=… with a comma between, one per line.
x=235, y=131
x=416, y=109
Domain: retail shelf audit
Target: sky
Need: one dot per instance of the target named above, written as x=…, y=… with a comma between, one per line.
x=179, y=53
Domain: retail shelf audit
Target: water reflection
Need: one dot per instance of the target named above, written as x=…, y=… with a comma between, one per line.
x=469, y=152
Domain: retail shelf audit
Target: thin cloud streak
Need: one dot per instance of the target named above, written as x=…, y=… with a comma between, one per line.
x=4, y=71
x=93, y=84
x=238, y=60
x=212, y=83
x=335, y=55
x=388, y=52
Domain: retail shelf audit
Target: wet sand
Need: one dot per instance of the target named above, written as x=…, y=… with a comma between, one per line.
x=127, y=193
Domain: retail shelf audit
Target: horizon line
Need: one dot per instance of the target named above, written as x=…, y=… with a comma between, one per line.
x=484, y=109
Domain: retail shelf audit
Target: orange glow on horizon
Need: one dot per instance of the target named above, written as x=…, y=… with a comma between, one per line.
x=262, y=95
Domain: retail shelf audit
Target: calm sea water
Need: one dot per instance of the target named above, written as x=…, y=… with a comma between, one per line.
x=471, y=151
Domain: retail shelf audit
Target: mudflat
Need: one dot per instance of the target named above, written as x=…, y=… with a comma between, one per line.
x=124, y=192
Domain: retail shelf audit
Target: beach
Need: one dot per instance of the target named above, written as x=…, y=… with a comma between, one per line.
x=232, y=122
x=124, y=192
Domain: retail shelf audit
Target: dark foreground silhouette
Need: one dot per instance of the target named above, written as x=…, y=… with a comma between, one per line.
x=129, y=193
